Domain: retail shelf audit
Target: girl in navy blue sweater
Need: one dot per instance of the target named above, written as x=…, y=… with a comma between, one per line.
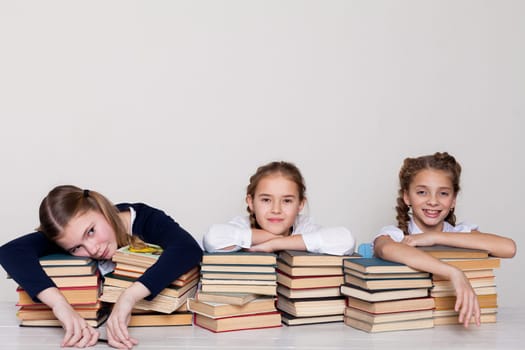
x=85, y=223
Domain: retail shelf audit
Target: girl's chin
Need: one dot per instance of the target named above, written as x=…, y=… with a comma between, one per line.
x=275, y=232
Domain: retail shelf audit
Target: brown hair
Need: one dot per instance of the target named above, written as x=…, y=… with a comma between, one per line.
x=411, y=167
x=285, y=169
x=65, y=202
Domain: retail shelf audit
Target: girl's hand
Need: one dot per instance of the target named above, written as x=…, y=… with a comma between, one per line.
x=294, y=242
x=78, y=333
x=420, y=240
x=117, y=324
x=118, y=320
x=466, y=300
x=265, y=247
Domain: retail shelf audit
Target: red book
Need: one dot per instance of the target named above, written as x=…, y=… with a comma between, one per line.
x=296, y=282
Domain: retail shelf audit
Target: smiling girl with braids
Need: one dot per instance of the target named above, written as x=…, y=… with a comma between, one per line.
x=425, y=213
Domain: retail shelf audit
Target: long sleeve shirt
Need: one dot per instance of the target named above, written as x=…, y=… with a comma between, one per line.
x=317, y=239
x=20, y=257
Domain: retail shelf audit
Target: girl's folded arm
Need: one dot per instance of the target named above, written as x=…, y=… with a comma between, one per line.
x=386, y=248
x=497, y=246
x=330, y=240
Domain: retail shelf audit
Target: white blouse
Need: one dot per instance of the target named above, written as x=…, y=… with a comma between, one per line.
x=397, y=234
x=317, y=239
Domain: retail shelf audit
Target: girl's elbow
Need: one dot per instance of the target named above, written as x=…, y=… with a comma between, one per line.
x=350, y=243
x=511, y=249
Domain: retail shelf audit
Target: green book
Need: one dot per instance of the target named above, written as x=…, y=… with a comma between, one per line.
x=63, y=259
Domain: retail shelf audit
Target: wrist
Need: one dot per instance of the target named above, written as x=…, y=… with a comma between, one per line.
x=135, y=292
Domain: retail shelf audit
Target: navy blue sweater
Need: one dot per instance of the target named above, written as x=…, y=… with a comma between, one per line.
x=20, y=257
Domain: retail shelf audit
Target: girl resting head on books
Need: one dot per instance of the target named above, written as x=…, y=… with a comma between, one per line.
x=85, y=223
x=426, y=201
x=275, y=198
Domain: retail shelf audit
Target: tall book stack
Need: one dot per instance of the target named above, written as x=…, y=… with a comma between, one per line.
x=479, y=269
x=168, y=307
x=309, y=287
x=78, y=280
x=238, y=292
x=386, y=296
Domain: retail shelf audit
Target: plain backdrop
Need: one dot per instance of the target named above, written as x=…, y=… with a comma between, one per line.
x=176, y=103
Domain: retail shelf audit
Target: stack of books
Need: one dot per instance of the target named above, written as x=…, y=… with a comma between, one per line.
x=78, y=280
x=479, y=269
x=309, y=287
x=167, y=308
x=237, y=292
x=386, y=296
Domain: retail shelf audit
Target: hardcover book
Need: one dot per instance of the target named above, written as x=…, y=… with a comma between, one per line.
x=172, y=291
x=158, y=319
x=446, y=252
x=382, y=307
x=383, y=295
x=226, y=298
x=296, y=282
x=60, y=259
x=216, y=310
x=73, y=295
x=235, y=323
x=161, y=303
x=387, y=317
x=390, y=283
x=312, y=307
x=291, y=320
x=240, y=258
x=298, y=271
x=303, y=258
x=309, y=292
x=376, y=265
x=240, y=288
x=389, y=326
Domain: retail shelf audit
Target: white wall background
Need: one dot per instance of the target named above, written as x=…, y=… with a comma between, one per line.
x=175, y=103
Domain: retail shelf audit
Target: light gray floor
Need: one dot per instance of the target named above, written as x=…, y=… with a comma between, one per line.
x=507, y=333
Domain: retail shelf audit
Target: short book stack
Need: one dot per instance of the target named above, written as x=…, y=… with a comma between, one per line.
x=309, y=287
x=168, y=308
x=78, y=280
x=238, y=292
x=479, y=269
x=386, y=296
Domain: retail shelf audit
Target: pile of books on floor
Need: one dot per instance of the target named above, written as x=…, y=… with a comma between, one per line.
x=479, y=269
x=237, y=292
x=386, y=296
x=309, y=287
x=78, y=280
x=168, y=308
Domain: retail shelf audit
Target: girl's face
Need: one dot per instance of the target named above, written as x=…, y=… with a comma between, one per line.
x=275, y=204
x=431, y=196
x=89, y=234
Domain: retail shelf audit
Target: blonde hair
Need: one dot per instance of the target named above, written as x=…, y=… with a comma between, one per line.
x=66, y=202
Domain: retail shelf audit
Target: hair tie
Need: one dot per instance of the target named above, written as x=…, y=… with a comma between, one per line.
x=86, y=193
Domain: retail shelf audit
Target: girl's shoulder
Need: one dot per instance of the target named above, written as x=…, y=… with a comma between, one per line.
x=240, y=220
x=140, y=208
